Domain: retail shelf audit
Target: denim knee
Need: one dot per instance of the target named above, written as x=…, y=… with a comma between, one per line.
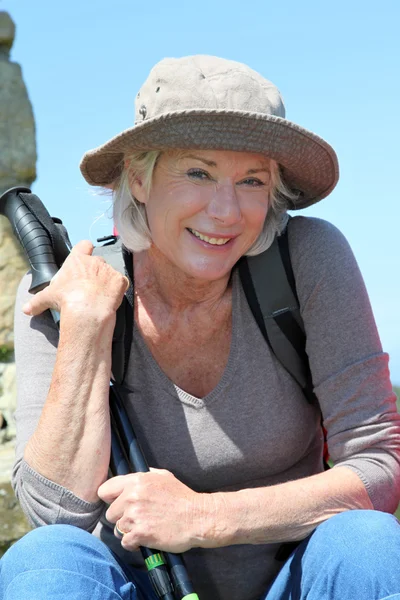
x=355, y=554
x=54, y=546
x=359, y=531
x=63, y=555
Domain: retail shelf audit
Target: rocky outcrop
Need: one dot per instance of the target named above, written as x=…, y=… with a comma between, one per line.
x=17, y=126
x=12, y=265
x=17, y=167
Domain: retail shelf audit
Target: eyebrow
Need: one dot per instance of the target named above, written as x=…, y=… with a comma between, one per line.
x=211, y=163
x=261, y=170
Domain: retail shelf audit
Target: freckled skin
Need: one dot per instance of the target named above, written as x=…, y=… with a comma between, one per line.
x=182, y=284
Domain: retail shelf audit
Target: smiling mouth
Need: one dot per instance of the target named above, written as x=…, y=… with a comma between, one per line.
x=210, y=240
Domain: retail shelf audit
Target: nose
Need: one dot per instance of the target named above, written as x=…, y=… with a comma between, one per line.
x=224, y=205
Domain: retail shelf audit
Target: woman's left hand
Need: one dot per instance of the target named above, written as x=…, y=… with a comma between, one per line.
x=154, y=509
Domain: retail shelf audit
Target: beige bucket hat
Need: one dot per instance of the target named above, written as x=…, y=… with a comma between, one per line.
x=207, y=102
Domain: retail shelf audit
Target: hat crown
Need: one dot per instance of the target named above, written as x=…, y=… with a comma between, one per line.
x=205, y=83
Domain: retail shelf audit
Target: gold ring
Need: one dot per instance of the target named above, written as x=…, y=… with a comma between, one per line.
x=118, y=532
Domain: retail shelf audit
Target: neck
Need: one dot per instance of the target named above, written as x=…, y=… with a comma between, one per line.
x=156, y=277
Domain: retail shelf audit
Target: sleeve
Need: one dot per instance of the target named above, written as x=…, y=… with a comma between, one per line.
x=43, y=501
x=349, y=369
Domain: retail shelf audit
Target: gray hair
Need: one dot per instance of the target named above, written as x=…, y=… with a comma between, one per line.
x=130, y=215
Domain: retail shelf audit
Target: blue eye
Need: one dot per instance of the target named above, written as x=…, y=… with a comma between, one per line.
x=253, y=182
x=198, y=174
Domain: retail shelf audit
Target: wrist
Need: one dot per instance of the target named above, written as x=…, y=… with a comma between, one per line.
x=84, y=349
x=83, y=311
x=214, y=521
x=92, y=324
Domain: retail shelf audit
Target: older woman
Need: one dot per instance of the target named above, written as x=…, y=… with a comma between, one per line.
x=205, y=177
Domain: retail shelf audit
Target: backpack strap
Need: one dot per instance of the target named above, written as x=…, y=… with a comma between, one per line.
x=269, y=285
x=270, y=288
x=116, y=255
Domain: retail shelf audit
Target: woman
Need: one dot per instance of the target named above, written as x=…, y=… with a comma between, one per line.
x=205, y=177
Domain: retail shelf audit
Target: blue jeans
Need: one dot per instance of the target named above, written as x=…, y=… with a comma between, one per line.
x=352, y=556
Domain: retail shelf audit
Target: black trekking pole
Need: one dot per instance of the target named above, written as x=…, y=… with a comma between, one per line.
x=126, y=455
x=135, y=461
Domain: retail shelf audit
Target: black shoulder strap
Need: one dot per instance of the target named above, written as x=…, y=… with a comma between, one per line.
x=270, y=288
x=269, y=285
x=116, y=255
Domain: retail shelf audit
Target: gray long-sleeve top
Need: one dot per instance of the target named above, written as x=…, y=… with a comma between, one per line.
x=255, y=428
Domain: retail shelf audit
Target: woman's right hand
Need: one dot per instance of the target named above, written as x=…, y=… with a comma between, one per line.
x=85, y=285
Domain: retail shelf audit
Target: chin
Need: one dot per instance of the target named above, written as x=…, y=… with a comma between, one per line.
x=207, y=272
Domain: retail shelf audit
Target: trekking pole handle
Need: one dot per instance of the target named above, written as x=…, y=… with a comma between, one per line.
x=33, y=238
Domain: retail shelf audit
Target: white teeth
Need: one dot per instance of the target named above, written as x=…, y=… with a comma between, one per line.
x=205, y=238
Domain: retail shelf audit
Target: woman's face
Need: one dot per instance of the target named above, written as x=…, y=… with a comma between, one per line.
x=206, y=208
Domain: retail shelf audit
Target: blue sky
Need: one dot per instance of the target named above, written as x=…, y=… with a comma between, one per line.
x=336, y=64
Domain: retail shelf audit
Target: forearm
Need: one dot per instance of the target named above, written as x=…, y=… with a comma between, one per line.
x=71, y=444
x=286, y=512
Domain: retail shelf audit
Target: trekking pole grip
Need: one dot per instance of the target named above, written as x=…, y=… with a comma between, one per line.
x=32, y=236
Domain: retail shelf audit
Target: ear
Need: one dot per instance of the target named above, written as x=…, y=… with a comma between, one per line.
x=138, y=191
x=137, y=188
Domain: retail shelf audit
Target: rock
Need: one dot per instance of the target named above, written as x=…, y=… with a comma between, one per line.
x=12, y=266
x=8, y=395
x=7, y=30
x=13, y=523
x=17, y=167
x=17, y=126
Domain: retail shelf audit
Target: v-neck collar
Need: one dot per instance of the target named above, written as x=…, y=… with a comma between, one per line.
x=173, y=389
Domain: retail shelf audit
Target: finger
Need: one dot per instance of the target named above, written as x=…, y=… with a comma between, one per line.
x=116, y=509
x=112, y=488
x=38, y=304
x=83, y=247
x=127, y=283
x=130, y=542
x=127, y=535
x=159, y=471
x=119, y=531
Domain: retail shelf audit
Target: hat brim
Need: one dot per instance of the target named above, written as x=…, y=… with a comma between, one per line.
x=309, y=164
